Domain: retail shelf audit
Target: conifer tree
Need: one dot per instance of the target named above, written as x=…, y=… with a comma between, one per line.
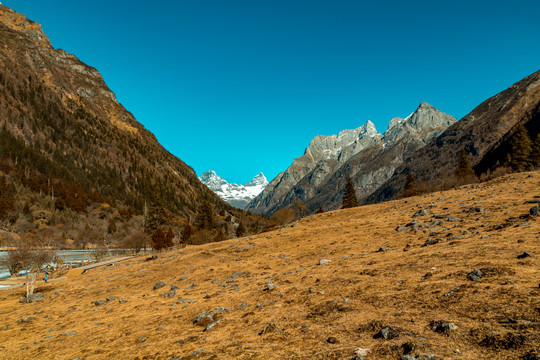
x=240, y=230
x=520, y=149
x=158, y=239
x=410, y=186
x=168, y=241
x=535, y=153
x=463, y=168
x=205, y=218
x=320, y=210
x=349, y=197
x=186, y=233
x=156, y=217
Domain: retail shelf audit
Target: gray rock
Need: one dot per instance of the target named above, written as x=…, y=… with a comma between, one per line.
x=388, y=333
x=192, y=286
x=174, y=287
x=58, y=291
x=26, y=319
x=111, y=298
x=71, y=333
x=383, y=249
x=324, y=261
x=421, y=212
x=442, y=327
x=270, y=285
x=475, y=209
x=524, y=255
x=268, y=328
x=401, y=228
x=100, y=302
x=159, y=285
x=535, y=210
x=475, y=275
x=32, y=298
x=210, y=326
x=452, y=218
x=141, y=339
x=430, y=241
x=171, y=294
x=243, y=306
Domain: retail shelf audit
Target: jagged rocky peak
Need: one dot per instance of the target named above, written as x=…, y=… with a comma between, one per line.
x=331, y=145
x=235, y=194
x=425, y=123
x=21, y=23
x=258, y=180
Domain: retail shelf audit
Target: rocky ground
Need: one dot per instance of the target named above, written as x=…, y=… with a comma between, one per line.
x=451, y=275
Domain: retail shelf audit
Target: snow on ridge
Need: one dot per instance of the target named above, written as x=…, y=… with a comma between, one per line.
x=235, y=194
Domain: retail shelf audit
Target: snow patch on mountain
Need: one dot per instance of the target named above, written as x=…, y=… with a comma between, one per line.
x=235, y=194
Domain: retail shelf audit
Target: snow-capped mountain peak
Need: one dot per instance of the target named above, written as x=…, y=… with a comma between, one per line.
x=234, y=194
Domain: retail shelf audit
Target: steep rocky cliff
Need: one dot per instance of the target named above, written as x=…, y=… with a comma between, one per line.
x=317, y=178
x=62, y=127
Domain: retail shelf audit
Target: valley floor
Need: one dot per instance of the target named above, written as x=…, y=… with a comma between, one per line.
x=274, y=296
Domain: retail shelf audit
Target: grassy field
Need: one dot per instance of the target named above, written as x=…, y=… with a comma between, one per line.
x=273, y=298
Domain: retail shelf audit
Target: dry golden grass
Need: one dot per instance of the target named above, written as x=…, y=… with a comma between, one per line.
x=350, y=299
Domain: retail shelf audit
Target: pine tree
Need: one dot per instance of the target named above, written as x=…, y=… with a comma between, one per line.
x=521, y=148
x=186, y=233
x=463, y=168
x=349, y=197
x=240, y=230
x=156, y=217
x=320, y=210
x=535, y=153
x=410, y=186
x=168, y=241
x=205, y=218
x=158, y=239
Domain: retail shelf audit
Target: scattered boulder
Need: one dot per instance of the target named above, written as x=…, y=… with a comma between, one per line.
x=388, y=333
x=100, y=302
x=430, y=241
x=26, y=319
x=442, y=327
x=210, y=326
x=70, y=333
x=32, y=298
x=421, y=212
x=524, y=255
x=324, y=261
x=141, y=339
x=271, y=327
x=535, y=210
x=475, y=275
x=270, y=285
x=383, y=249
x=159, y=285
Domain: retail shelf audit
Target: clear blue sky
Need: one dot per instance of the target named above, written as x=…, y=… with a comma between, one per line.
x=243, y=86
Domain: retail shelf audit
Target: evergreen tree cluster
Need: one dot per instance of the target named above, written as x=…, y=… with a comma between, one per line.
x=524, y=153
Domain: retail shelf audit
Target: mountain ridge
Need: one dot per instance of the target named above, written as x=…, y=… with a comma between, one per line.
x=236, y=195
x=317, y=177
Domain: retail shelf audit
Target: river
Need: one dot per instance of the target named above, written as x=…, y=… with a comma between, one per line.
x=67, y=256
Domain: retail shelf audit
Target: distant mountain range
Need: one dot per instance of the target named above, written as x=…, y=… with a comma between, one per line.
x=318, y=177
x=234, y=194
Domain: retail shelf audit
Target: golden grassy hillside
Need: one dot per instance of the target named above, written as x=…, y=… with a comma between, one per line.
x=275, y=301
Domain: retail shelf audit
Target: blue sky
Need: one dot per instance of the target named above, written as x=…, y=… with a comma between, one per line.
x=243, y=86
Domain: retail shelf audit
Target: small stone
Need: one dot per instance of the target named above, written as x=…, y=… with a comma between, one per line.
x=453, y=218
x=100, y=302
x=524, y=255
x=141, y=339
x=32, y=298
x=475, y=275
x=71, y=333
x=420, y=213
x=210, y=326
x=324, y=261
x=26, y=319
x=270, y=285
x=111, y=298
x=171, y=294
x=383, y=249
x=387, y=333
x=159, y=285
x=268, y=328
x=58, y=291
x=442, y=327
x=332, y=340
x=535, y=210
